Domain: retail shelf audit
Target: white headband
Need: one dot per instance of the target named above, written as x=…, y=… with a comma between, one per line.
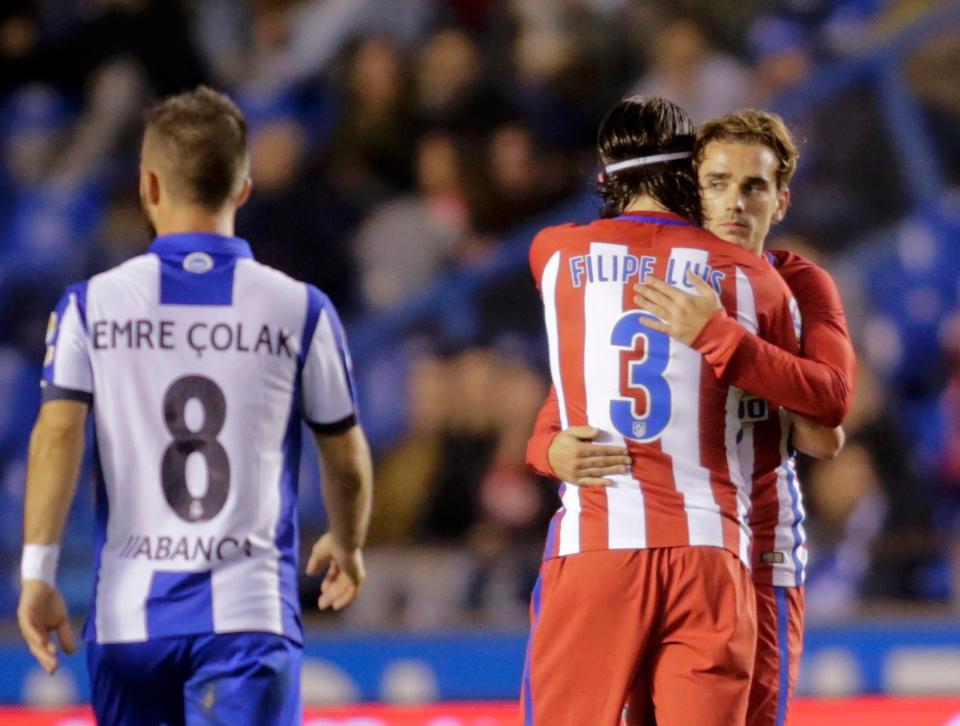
x=646, y=160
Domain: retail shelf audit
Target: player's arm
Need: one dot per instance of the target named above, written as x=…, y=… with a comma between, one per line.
x=347, y=482
x=812, y=439
x=56, y=450
x=818, y=389
x=53, y=463
x=328, y=405
x=570, y=454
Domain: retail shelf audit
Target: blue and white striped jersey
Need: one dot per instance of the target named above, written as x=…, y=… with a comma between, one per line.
x=200, y=364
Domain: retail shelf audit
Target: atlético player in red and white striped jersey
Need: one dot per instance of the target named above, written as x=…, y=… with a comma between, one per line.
x=745, y=163
x=645, y=591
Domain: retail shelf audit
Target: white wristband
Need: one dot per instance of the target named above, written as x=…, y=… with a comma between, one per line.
x=39, y=562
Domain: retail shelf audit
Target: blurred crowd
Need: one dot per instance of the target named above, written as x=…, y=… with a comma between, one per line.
x=398, y=145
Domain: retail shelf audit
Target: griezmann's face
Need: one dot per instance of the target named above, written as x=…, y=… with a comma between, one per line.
x=738, y=190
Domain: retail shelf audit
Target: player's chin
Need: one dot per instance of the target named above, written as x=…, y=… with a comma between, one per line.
x=734, y=237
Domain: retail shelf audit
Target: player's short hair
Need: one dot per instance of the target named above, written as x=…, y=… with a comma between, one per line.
x=203, y=140
x=753, y=126
x=639, y=127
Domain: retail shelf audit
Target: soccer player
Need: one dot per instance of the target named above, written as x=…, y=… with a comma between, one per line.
x=645, y=585
x=745, y=163
x=199, y=365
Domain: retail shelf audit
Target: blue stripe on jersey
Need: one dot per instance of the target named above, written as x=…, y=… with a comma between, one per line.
x=315, y=303
x=552, y=528
x=341, y=338
x=80, y=290
x=99, y=532
x=783, y=645
x=210, y=280
x=53, y=334
x=178, y=603
x=528, y=665
x=666, y=221
x=288, y=534
x=797, y=521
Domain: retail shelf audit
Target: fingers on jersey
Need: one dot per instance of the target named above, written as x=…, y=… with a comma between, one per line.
x=702, y=286
x=657, y=296
x=584, y=433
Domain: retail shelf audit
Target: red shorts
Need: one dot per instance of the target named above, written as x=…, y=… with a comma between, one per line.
x=671, y=628
x=779, y=644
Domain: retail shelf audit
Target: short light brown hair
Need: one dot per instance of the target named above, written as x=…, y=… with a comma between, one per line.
x=202, y=137
x=752, y=126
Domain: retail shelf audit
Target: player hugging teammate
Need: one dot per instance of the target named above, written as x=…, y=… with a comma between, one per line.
x=676, y=406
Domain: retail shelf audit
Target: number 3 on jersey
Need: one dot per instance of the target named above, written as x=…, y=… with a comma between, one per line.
x=644, y=411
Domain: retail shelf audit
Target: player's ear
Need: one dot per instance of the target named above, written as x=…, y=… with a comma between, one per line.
x=149, y=186
x=244, y=193
x=783, y=203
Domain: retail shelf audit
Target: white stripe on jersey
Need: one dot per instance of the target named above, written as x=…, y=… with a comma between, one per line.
x=740, y=455
x=71, y=361
x=569, y=534
x=548, y=286
x=789, y=537
x=681, y=439
x=602, y=308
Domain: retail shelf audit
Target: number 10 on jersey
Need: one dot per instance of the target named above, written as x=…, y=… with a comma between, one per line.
x=644, y=410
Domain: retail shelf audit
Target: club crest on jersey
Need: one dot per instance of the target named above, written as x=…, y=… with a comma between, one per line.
x=198, y=263
x=639, y=429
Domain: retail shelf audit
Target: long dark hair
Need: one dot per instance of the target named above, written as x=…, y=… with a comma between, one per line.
x=644, y=126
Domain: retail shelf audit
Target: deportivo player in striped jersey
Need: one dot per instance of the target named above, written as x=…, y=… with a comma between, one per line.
x=745, y=163
x=198, y=364
x=650, y=575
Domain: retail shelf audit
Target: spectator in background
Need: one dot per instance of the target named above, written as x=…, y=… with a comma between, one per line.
x=519, y=181
x=403, y=244
x=296, y=221
x=867, y=489
x=370, y=151
x=686, y=69
x=452, y=90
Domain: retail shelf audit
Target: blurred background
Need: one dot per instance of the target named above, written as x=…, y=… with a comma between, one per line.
x=403, y=154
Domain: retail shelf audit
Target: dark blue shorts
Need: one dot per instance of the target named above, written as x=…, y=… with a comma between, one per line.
x=235, y=678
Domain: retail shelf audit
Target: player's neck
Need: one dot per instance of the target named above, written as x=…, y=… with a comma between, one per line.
x=195, y=219
x=645, y=203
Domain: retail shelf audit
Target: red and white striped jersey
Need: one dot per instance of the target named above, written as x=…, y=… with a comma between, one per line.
x=655, y=395
x=776, y=518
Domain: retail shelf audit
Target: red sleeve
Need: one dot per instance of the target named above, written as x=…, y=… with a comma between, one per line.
x=818, y=386
x=545, y=430
x=541, y=248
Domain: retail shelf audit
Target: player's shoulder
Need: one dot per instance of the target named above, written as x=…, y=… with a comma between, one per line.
x=810, y=283
x=793, y=266
x=120, y=274
x=557, y=234
x=276, y=283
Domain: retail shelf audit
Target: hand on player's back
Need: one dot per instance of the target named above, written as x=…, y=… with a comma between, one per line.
x=345, y=572
x=41, y=611
x=683, y=314
x=576, y=459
